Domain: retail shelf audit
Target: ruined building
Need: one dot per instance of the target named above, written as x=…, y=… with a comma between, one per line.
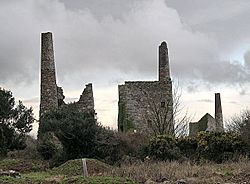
x=51, y=95
x=146, y=106
x=207, y=122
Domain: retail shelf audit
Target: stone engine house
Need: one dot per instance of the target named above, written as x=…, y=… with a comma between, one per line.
x=51, y=95
x=143, y=104
x=207, y=122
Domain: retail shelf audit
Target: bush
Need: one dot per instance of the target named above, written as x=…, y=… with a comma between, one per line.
x=30, y=151
x=112, y=147
x=81, y=136
x=188, y=147
x=50, y=147
x=220, y=146
x=163, y=147
x=75, y=130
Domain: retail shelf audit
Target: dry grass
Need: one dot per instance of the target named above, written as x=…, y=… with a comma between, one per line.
x=230, y=172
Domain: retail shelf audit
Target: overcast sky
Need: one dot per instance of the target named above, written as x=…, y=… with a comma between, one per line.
x=109, y=41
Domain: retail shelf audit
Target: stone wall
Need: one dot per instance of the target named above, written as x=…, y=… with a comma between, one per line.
x=86, y=101
x=207, y=122
x=141, y=101
x=218, y=113
x=48, y=99
x=51, y=95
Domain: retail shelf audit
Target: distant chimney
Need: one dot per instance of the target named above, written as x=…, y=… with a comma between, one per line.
x=163, y=62
x=218, y=113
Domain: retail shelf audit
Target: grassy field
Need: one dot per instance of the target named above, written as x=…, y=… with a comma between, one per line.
x=37, y=172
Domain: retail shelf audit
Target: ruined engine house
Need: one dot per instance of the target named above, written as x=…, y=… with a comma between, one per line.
x=142, y=104
x=51, y=96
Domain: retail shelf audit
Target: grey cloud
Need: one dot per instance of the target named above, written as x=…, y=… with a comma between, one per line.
x=103, y=41
x=247, y=59
x=234, y=102
x=31, y=100
x=243, y=92
x=205, y=100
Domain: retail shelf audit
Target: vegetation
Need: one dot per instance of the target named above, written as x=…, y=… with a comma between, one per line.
x=217, y=147
x=190, y=172
x=240, y=124
x=66, y=135
x=163, y=147
x=137, y=172
x=69, y=128
x=69, y=172
x=69, y=134
x=15, y=122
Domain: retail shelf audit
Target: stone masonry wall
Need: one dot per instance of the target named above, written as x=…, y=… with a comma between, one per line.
x=218, y=113
x=212, y=124
x=86, y=101
x=136, y=103
x=51, y=95
x=48, y=99
x=139, y=100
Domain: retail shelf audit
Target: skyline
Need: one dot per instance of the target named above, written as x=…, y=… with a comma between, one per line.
x=109, y=42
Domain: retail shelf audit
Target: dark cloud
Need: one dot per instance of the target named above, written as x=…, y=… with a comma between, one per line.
x=109, y=41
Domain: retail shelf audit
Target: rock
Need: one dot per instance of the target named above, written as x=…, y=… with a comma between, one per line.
x=181, y=181
x=11, y=173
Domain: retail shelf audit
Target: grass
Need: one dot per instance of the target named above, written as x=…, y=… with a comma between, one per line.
x=74, y=167
x=41, y=178
x=23, y=165
x=71, y=172
x=237, y=172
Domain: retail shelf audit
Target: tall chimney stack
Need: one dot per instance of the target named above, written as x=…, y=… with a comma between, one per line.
x=48, y=98
x=164, y=74
x=218, y=113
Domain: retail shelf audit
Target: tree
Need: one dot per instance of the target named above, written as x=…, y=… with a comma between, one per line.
x=240, y=124
x=237, y=123
x=167, y=118
x=75, y=130
x=15, y=122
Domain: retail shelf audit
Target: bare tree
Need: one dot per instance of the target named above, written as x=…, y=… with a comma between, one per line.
x=166, y=117
x=238, y=123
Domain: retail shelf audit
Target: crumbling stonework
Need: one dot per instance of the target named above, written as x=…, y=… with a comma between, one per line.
x=48, y=99
x=60, y=96
x=207, y=122
x=140, y=101
x=86, y=101
x=51, y=95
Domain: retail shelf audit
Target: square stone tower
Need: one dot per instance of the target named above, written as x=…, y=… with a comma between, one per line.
x=147, y=106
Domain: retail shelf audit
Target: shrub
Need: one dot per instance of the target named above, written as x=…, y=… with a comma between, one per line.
x=30, y=151
x=220, y=146
x=163, y=147
x=75, y=130
x=49, y=146
x=113, y=146
x=188, y=146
